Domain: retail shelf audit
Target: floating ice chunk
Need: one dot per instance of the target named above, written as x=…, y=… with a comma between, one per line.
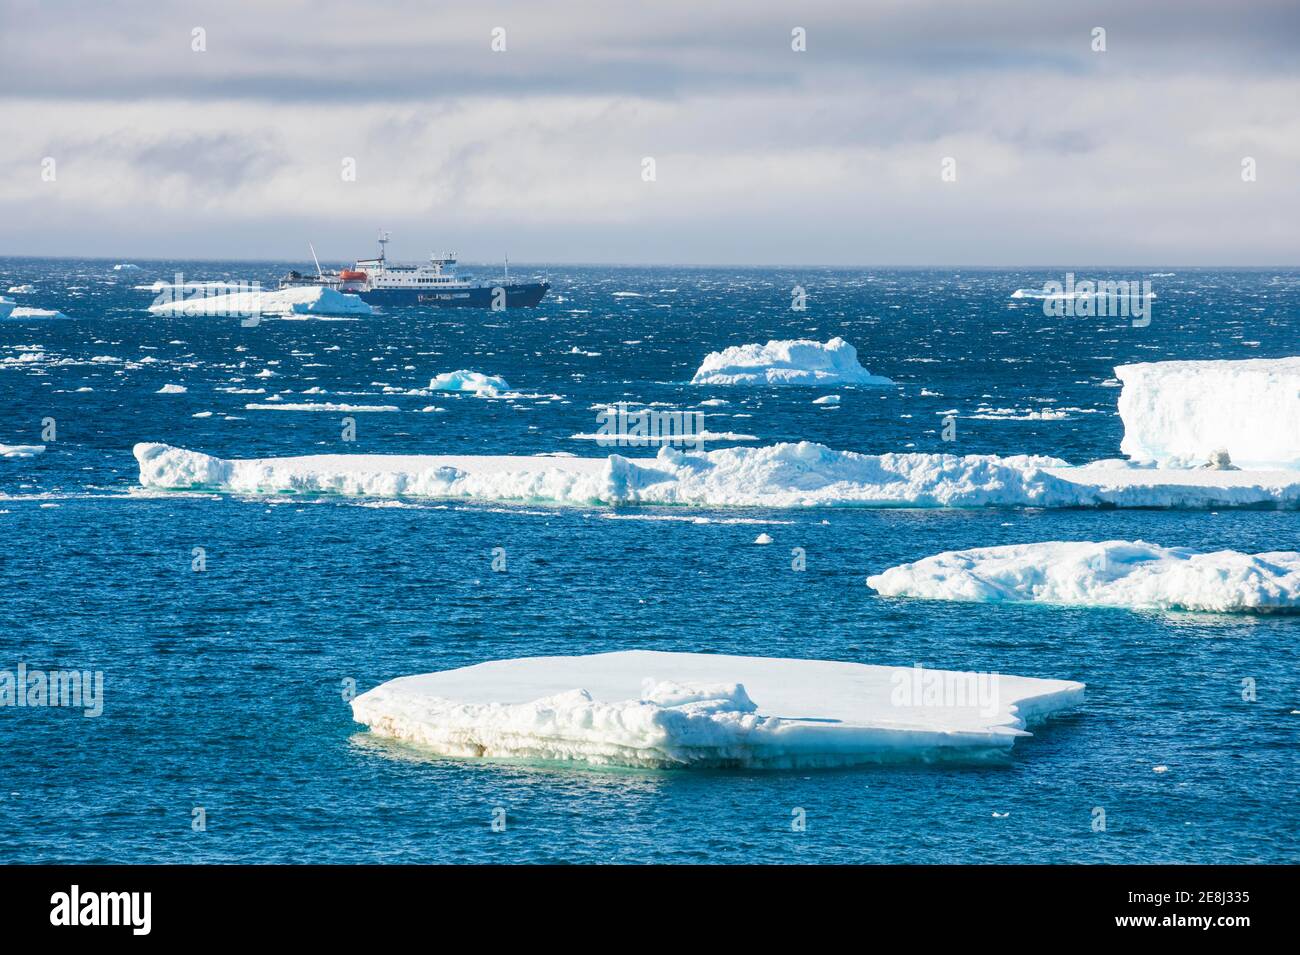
x=318, y=406
x=1180, y=413
x=21, y=312
x=21, y=450
x=827, y=400
x=781, y=475
x=671, y=710
x=291, y=301
x=21, y=289
x=799, y=362
x=470, y=381
x=125, y=267
x=763, y=539
x=172, y=390
x=1107, y=574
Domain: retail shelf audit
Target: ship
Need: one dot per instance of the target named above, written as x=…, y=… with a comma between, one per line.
x=434, y=283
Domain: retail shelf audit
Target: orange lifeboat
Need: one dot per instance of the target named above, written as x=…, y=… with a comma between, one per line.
x=351, y=275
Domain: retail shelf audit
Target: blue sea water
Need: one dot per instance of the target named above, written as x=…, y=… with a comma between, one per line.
x=223, y=689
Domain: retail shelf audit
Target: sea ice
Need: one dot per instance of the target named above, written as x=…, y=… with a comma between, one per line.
x=786, y=363
x=470, y=381
x=651, y=709
x=290, y=301
x=1181, y=413
x=20, y=450
x=781, y=475
x=1104, y=574
x=170, y=389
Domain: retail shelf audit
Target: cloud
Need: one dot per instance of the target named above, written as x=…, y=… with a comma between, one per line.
x=763, y=154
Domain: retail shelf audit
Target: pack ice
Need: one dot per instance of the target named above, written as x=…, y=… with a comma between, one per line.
x=1113, y=573
x=1183, y=413
x=290, y=301
x=781, y=475
x=798, y=362
x=651, y=709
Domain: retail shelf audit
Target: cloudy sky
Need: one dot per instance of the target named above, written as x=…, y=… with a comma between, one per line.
x=762, y=154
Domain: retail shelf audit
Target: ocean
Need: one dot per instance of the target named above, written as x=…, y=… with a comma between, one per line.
x=226, y=736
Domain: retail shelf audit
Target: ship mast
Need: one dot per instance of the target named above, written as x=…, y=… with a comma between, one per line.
x=383, y=244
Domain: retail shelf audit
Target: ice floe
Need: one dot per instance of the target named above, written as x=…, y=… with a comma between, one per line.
x=1182, y=413
x=21, y=450
x=473, y=382
x=317, y=406
x=658, y=710
x=8, y=310
x=799, y=362
x=290, y=301
x=172, y=390
x=781, y=475
x=1104, y=574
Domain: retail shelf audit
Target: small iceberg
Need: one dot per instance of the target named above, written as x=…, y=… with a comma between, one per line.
x=314, y=300
x=472, y=382
x=171, y=390
x=126, y=267
x=1182, y=414
x=21, y=450
x=1132, y=574
x=13, y=312
x=798, y=362
x=655, y=710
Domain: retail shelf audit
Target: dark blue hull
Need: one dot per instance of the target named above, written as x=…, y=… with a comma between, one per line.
x=516, y=295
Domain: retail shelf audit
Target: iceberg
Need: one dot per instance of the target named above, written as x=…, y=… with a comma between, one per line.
x=170, y=389
x=799, y=362
x=10, y=311
x=1115, y=573
x=312, y=300
x=470, y=381
x=781, y=475
x=21, y=450
x=656, y=710
x=1181, y=414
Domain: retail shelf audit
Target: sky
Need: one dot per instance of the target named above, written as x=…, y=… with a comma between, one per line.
x=244, y=130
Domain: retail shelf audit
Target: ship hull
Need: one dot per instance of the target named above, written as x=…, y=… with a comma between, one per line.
x=517, y=295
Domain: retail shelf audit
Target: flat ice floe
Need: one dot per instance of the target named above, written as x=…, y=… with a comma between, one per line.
x=474, y=382
x=290, y=301
x=781, y=475
x=1131, y=574
x=786, y=363
x=1182, y=413
x=657, y=710
x=21, y=450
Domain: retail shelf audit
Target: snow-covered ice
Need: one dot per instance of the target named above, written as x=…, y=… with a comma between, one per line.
x=317, y=406
x=13, y=311
x=1104, y=574
x=170, y=389
x=473, y=382
x=290, y=301
x=21, y=450
x=658, y=710
x=781, y=475
x=798, y=362
x=1180, y=413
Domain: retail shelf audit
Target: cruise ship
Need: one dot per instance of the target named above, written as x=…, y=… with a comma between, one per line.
x=381, y=282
